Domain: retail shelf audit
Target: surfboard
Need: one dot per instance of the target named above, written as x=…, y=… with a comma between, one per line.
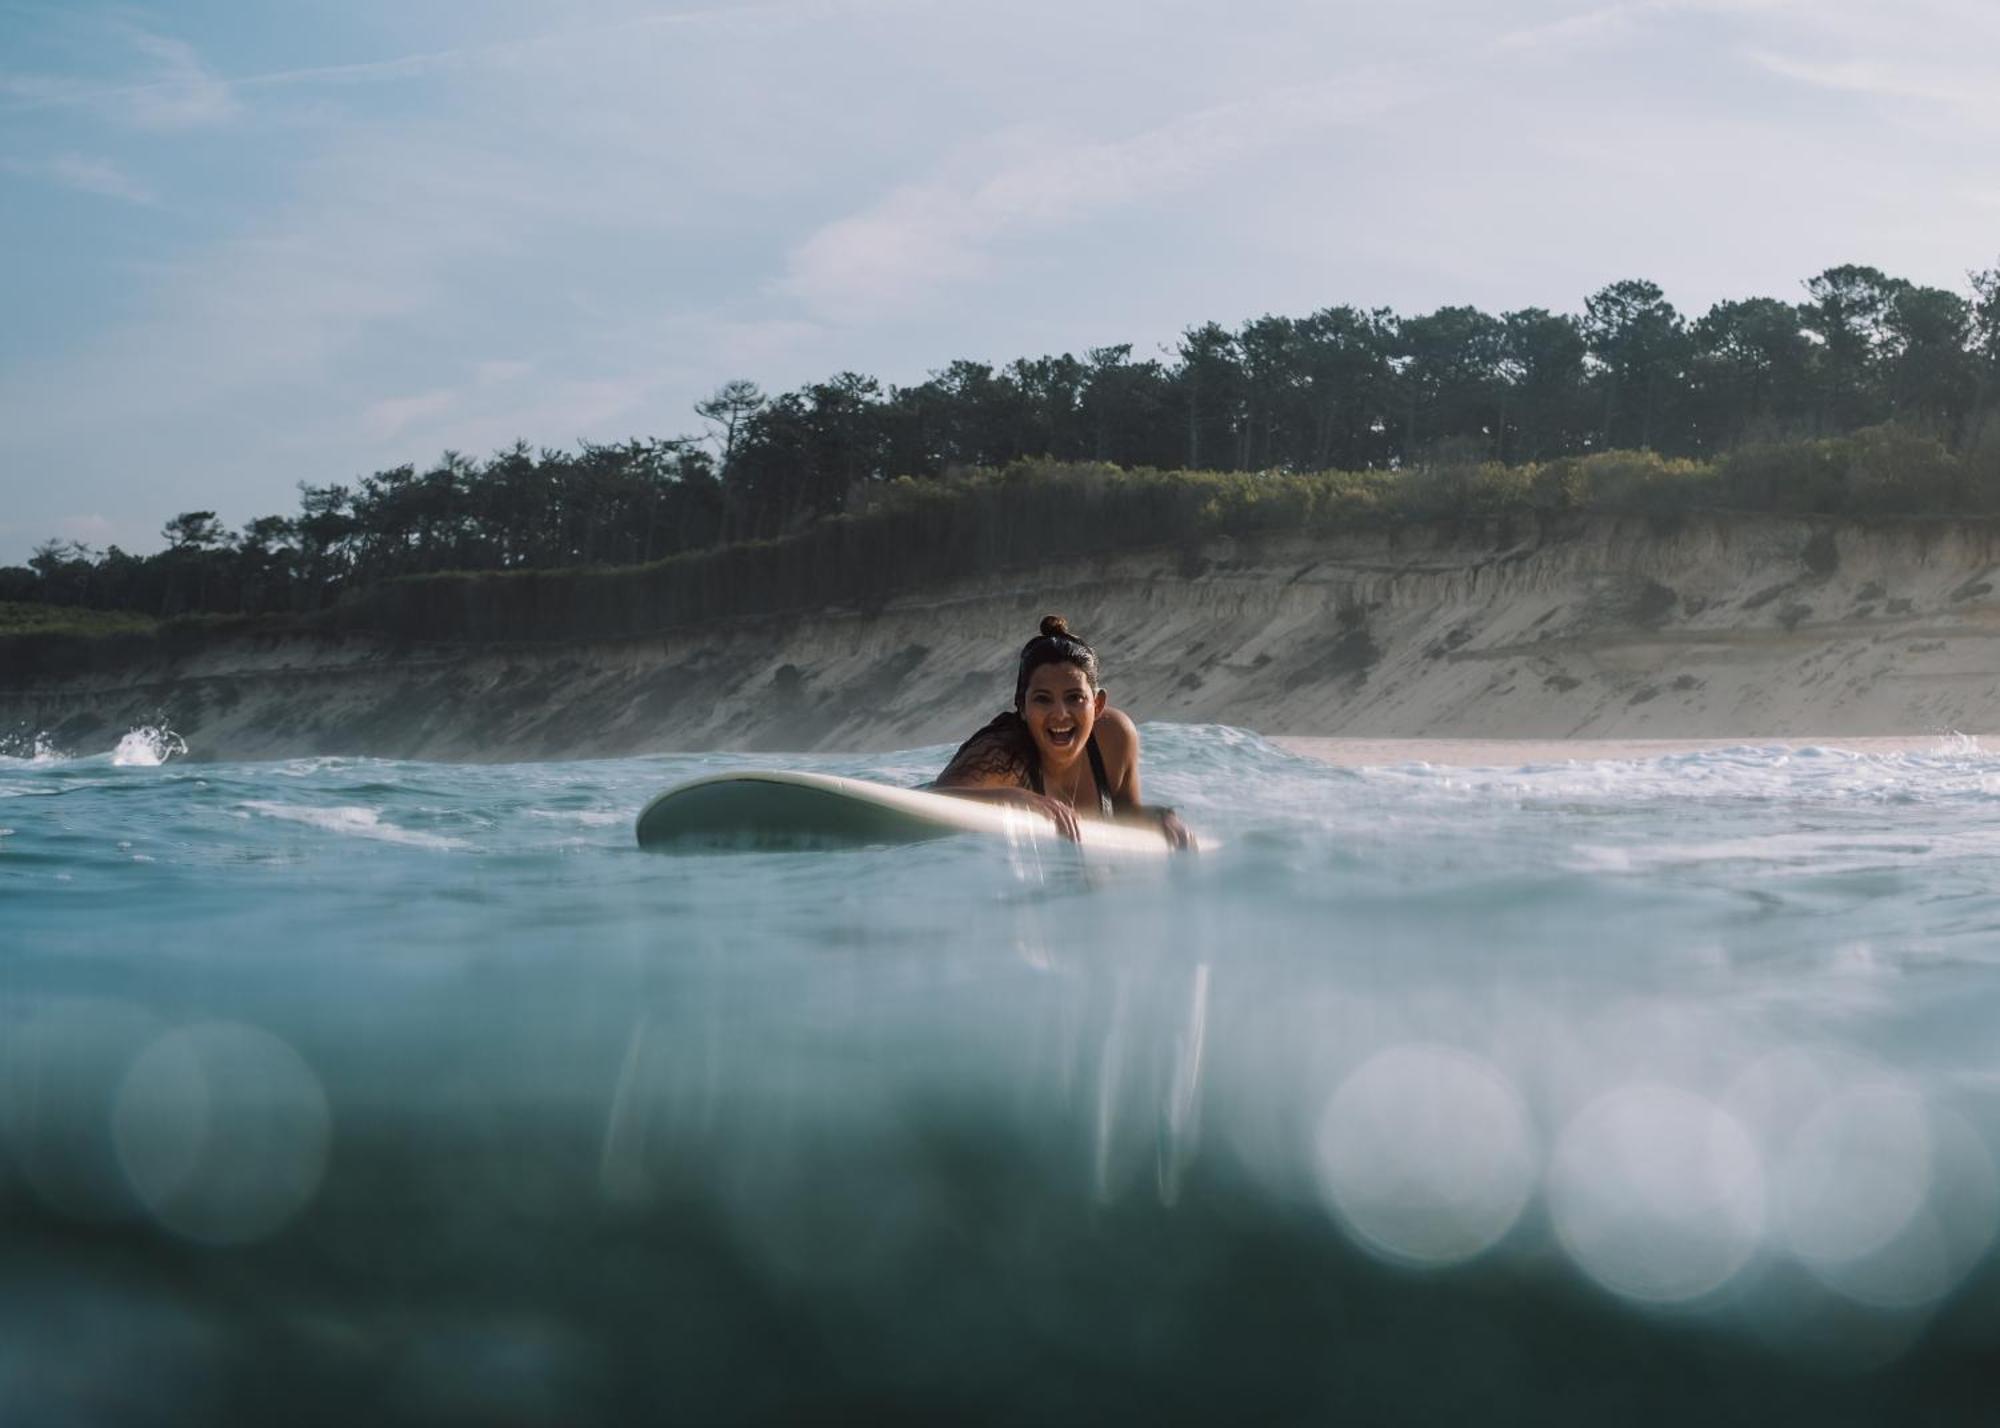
x=776, y=811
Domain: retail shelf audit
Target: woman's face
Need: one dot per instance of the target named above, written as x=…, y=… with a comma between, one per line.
x=1060, y=707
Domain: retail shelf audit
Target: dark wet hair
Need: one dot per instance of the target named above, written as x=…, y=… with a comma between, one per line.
x=1054, y=645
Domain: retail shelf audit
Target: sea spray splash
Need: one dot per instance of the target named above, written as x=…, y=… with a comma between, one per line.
x=36, y=748
x=148, y=746
x=1952, y=741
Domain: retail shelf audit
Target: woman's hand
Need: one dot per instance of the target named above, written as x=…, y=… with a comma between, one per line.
x=1165, y=821
x=1060, y=814
x=1174, y=831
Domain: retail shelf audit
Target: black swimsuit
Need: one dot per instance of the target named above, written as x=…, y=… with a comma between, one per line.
x=1097, y=775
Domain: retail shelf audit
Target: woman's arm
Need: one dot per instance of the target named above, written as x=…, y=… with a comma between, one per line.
x=1118, y=740
x=989, y=768
x=1054, y=809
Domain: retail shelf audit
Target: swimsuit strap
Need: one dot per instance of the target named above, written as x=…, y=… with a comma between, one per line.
x=1099, y=777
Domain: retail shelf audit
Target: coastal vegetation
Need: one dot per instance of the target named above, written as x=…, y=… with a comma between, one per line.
x=22, y=617
x=1871, y=396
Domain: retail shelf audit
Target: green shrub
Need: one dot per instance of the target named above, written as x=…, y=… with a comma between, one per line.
x=1980, y=465
x=1643, y=482
x=1890, y=469
x=17, y=617
x=1795, y=476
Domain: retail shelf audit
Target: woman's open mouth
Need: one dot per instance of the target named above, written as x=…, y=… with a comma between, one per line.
x=1062, y=738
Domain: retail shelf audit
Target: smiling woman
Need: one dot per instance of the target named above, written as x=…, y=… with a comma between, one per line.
x=1062, y=749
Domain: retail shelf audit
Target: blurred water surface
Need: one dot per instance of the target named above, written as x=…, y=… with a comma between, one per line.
x=1574, y=1092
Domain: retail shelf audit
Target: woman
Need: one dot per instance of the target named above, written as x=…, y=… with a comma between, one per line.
x=1062, y=750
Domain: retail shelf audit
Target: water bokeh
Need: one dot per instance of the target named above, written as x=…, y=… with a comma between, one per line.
x=1634, y=1090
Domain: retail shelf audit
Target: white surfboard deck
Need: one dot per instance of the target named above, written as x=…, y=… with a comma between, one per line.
x=776, y=810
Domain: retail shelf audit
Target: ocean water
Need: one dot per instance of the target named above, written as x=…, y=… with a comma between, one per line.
x=1663, y=1090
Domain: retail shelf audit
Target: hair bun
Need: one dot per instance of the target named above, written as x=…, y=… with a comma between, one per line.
x=1055, y=625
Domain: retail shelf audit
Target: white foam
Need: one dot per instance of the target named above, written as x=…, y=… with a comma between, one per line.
x=148, y=746
x=41, y=749
x=352, y=821
x=589, y=817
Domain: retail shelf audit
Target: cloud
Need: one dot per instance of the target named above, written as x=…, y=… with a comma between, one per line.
x=921, y=238
x=1581, y=31
x=480, y=416
x=910, y=244
x=1923, y=63
x=84, y=174
x=399, y=244
x=184, y=93
x=175, y=90
x=1968, y=92
x=1606, y=24
x=91, y=529
x=389, y=418
x=180, y=91
x=477, y=419
x=431, y=62
x=757, y=346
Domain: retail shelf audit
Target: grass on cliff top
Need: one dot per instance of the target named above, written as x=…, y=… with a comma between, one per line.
x=18, y=618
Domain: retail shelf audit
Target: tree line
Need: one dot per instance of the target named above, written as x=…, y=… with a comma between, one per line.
x=1342, y=389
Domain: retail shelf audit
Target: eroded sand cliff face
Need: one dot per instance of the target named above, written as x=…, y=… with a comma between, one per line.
x=1718, y=626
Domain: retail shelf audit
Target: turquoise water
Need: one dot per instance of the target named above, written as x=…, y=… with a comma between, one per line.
x=1578, y=1093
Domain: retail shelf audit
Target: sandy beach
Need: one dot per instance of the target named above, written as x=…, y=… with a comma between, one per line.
x=1511, y=753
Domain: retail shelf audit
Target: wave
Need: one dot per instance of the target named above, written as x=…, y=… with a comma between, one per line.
x=353, y=822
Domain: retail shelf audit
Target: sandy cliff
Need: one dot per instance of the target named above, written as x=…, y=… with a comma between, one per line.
x=1717, y=626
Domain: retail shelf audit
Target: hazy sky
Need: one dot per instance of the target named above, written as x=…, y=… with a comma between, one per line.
x=252, y=244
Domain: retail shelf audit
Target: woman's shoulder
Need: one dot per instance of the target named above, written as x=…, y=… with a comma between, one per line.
x=1116, y=731
x=1117, y=740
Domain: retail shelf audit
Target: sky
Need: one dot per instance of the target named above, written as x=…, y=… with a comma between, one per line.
x=249, y=245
